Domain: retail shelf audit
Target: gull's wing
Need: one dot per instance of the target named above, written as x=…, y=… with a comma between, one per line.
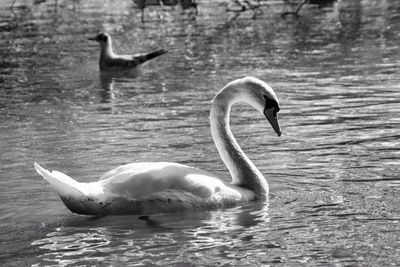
x=129, y=61
x=146, y=57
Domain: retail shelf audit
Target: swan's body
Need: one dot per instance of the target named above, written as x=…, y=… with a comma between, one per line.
x=154, y=187
x=119, y=64
x=147, y=187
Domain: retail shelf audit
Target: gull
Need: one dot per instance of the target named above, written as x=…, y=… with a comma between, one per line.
x=111, y=62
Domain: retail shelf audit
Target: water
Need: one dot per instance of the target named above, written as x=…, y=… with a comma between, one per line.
x=333, y=174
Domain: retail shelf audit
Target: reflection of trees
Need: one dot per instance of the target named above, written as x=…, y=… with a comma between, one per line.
x=350, y=13
x=256, y=6
x=245, y=5
x=296, y=12
x=350, y=17
x=183, y=4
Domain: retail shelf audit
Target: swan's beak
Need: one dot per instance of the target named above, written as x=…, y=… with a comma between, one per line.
x=272, y=117
x=93, y=38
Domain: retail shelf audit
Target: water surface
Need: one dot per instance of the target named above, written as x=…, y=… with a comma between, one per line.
x=333, y=174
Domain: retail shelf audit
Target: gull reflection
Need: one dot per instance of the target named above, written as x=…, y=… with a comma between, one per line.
x=107, y=85
x=107, y=82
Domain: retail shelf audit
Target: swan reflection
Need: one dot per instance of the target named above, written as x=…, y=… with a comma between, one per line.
x=167, y=240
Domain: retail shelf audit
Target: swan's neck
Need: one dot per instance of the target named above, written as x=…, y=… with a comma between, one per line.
x=243, y=171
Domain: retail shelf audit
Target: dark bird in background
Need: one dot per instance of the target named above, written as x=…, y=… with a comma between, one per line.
x=111, y=62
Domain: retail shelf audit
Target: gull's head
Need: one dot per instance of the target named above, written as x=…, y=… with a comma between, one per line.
x=259, y=95
x=102, y=38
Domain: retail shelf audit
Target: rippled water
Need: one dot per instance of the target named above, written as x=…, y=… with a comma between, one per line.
x=334, y=173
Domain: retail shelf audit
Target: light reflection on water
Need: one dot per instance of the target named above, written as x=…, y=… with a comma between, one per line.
x=118, y=239
x=333, y=175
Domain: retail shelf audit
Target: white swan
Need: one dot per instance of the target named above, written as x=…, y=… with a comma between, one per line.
x=154, y=187
x=111, y=62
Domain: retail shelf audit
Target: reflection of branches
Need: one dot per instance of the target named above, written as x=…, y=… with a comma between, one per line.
x=12, y=7
x=245, y=5
x=296, y=12
x=184, y=4
x=291, y=2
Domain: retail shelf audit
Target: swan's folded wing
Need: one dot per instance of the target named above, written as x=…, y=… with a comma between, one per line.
x=134, y=167
x=139, y=180
x=142, y=167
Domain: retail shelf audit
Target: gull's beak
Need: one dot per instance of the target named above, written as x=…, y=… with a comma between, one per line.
x=93, y=38
x=272, y=117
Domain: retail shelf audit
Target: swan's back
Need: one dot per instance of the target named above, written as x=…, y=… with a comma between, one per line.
x=141, y=167
x=140, y=180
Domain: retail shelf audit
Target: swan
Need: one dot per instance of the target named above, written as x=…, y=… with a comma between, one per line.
x=111, y=62
x=156, y=187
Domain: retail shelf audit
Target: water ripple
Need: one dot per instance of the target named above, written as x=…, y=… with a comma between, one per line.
x=333, y=174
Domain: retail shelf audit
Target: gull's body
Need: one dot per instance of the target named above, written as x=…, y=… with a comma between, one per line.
x=111, y=62
x=154, y=187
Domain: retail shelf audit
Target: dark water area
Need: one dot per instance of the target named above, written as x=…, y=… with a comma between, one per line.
x=334, y=174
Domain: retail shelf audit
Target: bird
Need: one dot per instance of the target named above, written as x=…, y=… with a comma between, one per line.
x=111, y=62
x=143, y=188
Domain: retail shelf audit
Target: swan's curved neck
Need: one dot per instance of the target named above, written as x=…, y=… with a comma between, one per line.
x=242, y=170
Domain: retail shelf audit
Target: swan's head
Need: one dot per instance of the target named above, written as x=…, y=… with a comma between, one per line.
x=258, y=94
x=104, y=39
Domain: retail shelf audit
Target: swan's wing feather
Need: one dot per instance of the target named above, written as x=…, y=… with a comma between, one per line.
x=134, y=167
x=138, y=180
x=142, y=167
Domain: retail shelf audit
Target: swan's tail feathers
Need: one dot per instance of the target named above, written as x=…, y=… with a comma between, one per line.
x=152, y=55
x=64, y=185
